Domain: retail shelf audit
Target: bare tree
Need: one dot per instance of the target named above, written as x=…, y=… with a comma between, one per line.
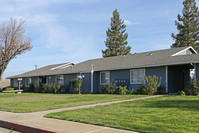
x=12, y=42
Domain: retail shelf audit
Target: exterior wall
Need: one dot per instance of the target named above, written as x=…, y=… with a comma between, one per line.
x=125, y=75
x=197, y=71
x=96, y=82
x=51, y=79
x=34, y=80
x=68, y=78
x=12, y=83
x=86, y=84
x=159, y=72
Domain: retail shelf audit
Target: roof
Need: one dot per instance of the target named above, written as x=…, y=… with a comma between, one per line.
x=138, y=60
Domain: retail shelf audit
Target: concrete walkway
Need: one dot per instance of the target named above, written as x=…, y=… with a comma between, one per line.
x=36, y=119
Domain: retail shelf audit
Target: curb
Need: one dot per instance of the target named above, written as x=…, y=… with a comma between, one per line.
x=25, y=128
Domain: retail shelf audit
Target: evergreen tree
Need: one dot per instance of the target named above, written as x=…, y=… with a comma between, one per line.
x=188, y=26
x=116, y=41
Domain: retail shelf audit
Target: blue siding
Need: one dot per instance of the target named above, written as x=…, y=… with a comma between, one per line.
x=86, y=86
x=197, y=71
x=68, y=78
x=12, y=83
x=125, y=75
x=51, y=79
x=96, y=82
x=34, y=80
x=159, y=72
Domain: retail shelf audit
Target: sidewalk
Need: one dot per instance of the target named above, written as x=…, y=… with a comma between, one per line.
x=36, y=119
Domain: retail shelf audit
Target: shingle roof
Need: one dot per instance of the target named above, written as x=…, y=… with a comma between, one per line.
x=146, y=59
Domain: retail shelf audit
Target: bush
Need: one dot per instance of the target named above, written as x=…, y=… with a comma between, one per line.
x=9, y=89
x=110, y=88
x=51, y=88
x=161, y=90
x=123, y=90
x=193, y=89
x=151, y=85
x=182, y=93
x=22, y=87
x=130, y=91
x=77, y=84
x=1, y=89
x=56, y=87
x=67, y=87
x=32, y=87
x=140, y=90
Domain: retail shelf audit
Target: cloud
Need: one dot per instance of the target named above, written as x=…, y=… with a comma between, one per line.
x=127, y=22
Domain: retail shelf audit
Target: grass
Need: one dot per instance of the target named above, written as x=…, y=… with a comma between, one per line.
x=164, y=114
x=31, y=102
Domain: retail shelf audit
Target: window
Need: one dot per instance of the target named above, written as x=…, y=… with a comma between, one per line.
x=104, y=78
x=28, y=82
x=137, y=76
x=60, y=78
x=15, y=83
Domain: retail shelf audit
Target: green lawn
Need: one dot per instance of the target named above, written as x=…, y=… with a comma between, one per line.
x=163, y=114
x=31, y=102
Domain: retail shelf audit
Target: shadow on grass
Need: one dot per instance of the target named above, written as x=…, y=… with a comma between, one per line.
x=178, y=104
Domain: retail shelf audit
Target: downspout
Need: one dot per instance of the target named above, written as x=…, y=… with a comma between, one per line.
x=92, y=78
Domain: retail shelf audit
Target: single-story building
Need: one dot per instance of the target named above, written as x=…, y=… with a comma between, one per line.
x=176, y=66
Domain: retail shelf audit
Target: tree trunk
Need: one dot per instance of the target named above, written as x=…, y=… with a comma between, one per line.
x=1, y=75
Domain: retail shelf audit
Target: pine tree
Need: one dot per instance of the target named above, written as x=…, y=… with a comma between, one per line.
x=188, y=26
x=116, y=41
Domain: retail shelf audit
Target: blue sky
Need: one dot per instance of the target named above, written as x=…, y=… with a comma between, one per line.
x=75, y=30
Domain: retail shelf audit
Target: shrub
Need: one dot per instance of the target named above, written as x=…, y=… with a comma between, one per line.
x=45, y=88
x=32, y=87
x=182, y=93
x=9, y=89
x=1, y=89
x=130, y=91
x=140, y=90
x=193, y=89
x=67, y=87
x=56, y=87
x=110, y=88
x=151, y=85
x=51, y=88
x=123, y=90
x=161, y=90
x=77, y=84
x=22, y=87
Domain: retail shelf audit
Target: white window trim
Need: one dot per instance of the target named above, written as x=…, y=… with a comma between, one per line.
x=135, y=70
x=108, y=80
x=29, y=83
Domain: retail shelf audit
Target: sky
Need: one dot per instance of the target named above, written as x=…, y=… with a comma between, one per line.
x=75, y=30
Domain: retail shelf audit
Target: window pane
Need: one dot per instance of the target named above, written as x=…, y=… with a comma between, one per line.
x=107, y=77
x=141, y=75
x=135, y=76
x=102, y=78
